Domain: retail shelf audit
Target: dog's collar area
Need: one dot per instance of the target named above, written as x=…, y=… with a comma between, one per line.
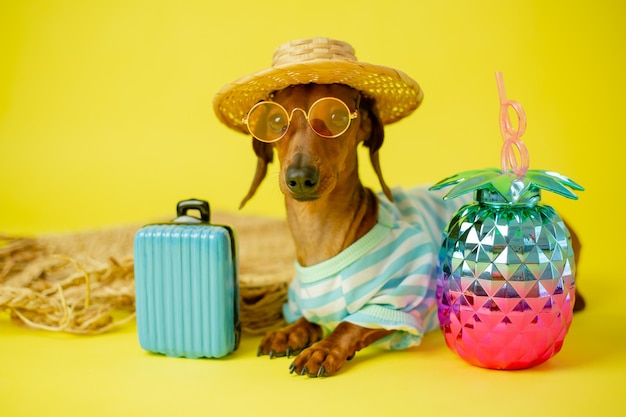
x=366, y=243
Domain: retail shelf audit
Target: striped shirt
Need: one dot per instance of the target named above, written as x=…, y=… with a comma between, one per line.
x=387, y=278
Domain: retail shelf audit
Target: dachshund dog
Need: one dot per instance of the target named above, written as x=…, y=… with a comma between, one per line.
x=328, y=209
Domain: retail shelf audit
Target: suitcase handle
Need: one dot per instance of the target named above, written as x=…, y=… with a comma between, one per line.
x=192, y=204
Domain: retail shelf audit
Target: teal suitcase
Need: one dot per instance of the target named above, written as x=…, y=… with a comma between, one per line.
x=186, y=285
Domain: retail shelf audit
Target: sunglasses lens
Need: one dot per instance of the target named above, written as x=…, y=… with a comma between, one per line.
x=329, y=117
x=267, y=121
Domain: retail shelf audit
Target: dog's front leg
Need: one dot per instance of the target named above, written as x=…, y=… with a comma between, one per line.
x=327, y=356
x=290, y=340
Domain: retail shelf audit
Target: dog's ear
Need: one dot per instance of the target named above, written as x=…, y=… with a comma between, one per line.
x=375, y=140
x=265, y=155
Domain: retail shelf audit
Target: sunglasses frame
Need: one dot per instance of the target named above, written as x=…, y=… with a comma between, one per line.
x=353, y=115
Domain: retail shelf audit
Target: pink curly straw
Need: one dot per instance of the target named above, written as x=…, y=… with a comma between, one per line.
x=512, y=136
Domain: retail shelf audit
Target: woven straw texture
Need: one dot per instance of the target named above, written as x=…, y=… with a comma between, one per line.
x=319, y=61
x=84, y=283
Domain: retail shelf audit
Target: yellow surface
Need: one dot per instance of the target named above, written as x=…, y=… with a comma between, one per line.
x=110, y=375
x=106, y=119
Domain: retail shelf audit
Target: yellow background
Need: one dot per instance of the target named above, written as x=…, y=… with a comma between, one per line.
x=106, y=119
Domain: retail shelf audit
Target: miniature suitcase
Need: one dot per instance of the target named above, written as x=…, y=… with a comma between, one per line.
x=186, y=285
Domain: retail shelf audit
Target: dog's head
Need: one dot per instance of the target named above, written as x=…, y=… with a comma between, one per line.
x=312, y=166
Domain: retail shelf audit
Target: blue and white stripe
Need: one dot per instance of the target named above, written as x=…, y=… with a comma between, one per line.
x=387, y=279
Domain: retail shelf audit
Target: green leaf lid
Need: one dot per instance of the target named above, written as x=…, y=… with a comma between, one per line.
x=514, y=183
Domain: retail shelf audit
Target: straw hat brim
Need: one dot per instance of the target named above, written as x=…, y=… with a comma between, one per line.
x=396, y=94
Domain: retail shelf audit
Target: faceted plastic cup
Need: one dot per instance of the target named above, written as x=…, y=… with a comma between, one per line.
x=506, y=287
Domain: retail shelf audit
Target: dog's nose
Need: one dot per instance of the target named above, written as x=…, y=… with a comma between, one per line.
x=302, y=180
x=301, y=176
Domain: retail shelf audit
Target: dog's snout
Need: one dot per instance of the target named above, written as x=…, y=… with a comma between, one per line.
x=302, y=177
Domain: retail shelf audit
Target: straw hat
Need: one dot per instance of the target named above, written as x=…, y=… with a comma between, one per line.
x=319, y=61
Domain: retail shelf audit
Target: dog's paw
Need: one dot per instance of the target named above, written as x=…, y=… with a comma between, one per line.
x=320, y=360
x=290, y=340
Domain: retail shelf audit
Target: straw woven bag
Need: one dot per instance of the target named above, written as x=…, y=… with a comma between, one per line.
x=83, y=283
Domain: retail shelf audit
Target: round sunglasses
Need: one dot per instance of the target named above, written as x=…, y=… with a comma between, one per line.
x=328, y=117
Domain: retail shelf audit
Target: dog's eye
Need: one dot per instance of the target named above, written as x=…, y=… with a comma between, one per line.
x=339, y=118
x=277, y=122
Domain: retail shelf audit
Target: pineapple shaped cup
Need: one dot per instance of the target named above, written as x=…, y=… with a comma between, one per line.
x=506, y=290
